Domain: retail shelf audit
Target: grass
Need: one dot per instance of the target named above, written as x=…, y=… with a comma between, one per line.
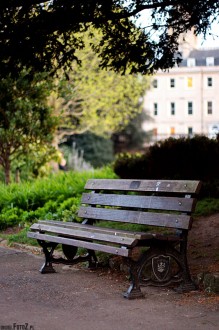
x=21, y=238
x=207, y=206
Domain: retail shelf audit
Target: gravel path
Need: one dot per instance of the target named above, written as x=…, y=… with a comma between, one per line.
x=79, y=299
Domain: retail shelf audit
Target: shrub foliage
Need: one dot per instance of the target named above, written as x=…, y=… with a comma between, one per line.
x=56, y=197
x=194, y=158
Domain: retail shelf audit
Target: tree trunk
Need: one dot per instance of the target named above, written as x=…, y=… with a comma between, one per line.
x=17, y=175
x=7, y=169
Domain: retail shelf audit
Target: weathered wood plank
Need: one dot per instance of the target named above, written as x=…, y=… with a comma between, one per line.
x=85, y=233
x=95, y=229
x=180, y=221
x=174, y=186
x=144, y=202
x=84, y=244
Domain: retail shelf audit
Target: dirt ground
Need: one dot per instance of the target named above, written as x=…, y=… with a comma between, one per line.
x=76, y=298
x=203, y=247
x=80, y=299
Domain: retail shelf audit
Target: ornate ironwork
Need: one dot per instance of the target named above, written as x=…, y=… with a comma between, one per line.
x=161, y=267
x=70, y=254
x=69, y=251
x=164, y=264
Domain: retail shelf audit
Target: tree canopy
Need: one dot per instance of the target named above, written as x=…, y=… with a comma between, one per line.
x=27, y=124
x=96, y=100
x=44, y=35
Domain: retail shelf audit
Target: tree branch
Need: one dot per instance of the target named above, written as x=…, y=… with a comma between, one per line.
x=4, y=4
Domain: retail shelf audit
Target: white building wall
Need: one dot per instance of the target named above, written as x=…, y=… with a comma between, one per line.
x=165, y=124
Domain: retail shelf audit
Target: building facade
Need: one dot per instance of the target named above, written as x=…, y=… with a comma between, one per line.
x=185, y=100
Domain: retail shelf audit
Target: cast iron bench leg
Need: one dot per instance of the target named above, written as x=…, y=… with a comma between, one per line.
x=187, y=284
x=92, y=259
x=47, y=266
x=134, y=291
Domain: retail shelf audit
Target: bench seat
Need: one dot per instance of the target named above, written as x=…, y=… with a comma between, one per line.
x=68, y=233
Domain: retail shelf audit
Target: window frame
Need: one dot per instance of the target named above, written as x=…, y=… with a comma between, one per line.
x=209, y=108
x=209, y=82
x=190, y=109
x=210, y=61
x=191, y=62
x=172, y=108
x=190, y=131
x=155, y=109
x=155, y=83
x=189, y=82
x=172, y=130
x=172, y=82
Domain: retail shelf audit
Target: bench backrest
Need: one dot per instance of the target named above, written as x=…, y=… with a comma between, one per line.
x=164, y=203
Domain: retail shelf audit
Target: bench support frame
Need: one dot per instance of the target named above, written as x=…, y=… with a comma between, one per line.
x=134, y=290
x=159, y=257
x=48, y=250
x=159, y=254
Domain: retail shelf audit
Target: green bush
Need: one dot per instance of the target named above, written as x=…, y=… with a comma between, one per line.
x=10, y=217
x=128, y=166
x=56, y=197
x=194, y=158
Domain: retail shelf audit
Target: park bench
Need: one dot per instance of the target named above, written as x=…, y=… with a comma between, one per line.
x=147, y=223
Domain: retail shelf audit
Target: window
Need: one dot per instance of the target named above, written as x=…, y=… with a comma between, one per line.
x=209, y=61
x=172, y=130
x=191, y=61
x=172, y=83
x=209, y=108
x=155, y=83
x=189, y=82
x=190, y=131
x=190, y=108
x=209, y=82
x=172, y=108
x=155, y=109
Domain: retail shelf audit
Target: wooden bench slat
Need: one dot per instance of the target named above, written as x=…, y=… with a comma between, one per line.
x=144, y=202
x=88, y=245
x=173, y=186
x=93, y=228
x=180, y=221
x=85, y=233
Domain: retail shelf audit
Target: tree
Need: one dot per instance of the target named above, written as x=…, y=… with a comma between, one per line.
x=96, y=100
x=133, y=137
x=96, y=150
x=44, y=35
x=26, y=121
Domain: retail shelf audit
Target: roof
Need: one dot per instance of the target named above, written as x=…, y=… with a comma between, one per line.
x=200, y=56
